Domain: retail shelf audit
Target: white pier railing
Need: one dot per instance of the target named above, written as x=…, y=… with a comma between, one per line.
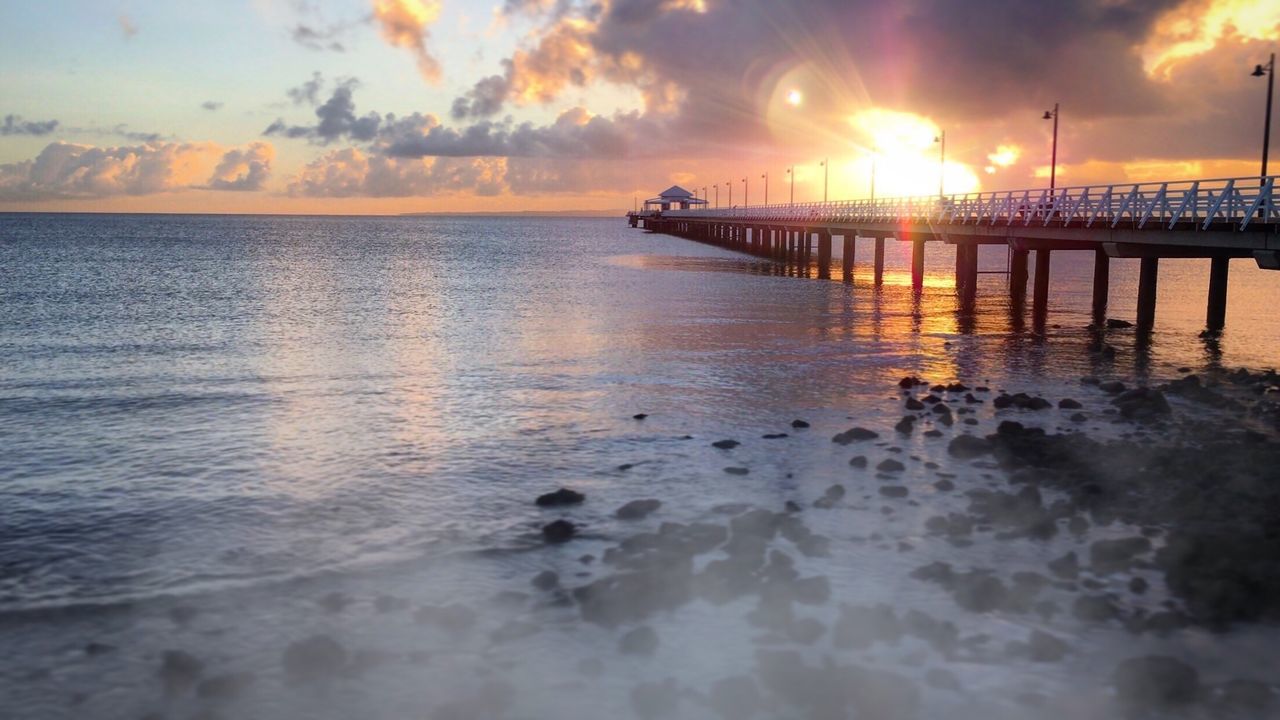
x=1223, y=203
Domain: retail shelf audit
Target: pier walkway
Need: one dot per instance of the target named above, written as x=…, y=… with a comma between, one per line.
x=1219, y=219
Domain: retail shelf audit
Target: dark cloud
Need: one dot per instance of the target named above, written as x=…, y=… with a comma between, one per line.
x=15, y=125
x=575, y=134
x=336, y=119
x=483, y=100
x=211, y=105
x=318, y=38
x=308, y=92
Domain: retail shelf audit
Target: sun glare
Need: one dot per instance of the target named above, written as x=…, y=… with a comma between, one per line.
x=906, y=155
x=794, y=98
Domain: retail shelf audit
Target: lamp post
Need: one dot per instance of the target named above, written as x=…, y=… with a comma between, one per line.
x=874, y=156
x=765, y=176
x=705, y=199
x=746, y=193
x=730, y=186
x=941, y=139
x=1053, y=162
x=717, y=187
x=826, y=175
x=1270, y=71
x=791, y=172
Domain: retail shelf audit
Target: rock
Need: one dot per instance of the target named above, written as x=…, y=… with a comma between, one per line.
x=736, y=471
x=1079, y=417
x=979, y=592
x=906, y=425
x=546, y=580
x=1137, y=585
x=1069, y=404
x=559, y=531
x=224, y=687
x=792, y=506
x=319, y=657
x=944, y=485
x=854, y=434
x=910, y=381
x=774, y=436
x=560, y=498
x=725, y=444
x=1112, y=556
x=655, y=700
x=179, y=670
x=799, y=424
x=890, y=465
x=1094, y=608
x=1156, y=682
x=1142, y=403
x=1044, y=647
x=735, y=697
x=894, y=491
x=639, y=416
x=640, y=641
x=913, y=404
x=1066, y=567
x=968, y=446
x=1117, y=324
x=637, y=509
x=1112, y=387
x=858, y=461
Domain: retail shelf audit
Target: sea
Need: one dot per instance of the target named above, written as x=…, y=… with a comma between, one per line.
x=224, y=435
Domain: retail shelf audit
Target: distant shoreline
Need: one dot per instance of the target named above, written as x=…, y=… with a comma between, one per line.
x=512, y=213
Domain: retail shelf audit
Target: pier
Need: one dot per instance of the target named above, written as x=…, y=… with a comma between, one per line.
x=1219, y=219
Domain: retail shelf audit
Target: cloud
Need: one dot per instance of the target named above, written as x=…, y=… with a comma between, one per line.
x=574, y=134
x=317, y=38
x=404, y=24
x=337, y=119
x=15, y=125
x=308, y=92
x=66, y=170
x=352, y=173
x=211, y=105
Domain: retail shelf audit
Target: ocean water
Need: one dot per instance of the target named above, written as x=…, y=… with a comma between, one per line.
x=238, y=417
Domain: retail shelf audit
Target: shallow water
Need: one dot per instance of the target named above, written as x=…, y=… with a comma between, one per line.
x=242, y=415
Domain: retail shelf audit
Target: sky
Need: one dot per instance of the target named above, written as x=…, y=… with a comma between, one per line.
x=394, y=106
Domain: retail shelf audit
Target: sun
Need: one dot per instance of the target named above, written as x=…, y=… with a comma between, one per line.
x=906, y=154
x=794, y=98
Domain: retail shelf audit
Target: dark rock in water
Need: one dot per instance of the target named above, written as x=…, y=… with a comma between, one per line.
x=319, y=657
x=799, y=424
x=1142, y=403
x=639, y=416
x=910, y=381
x=637, y=509
x=979, y=592
x=559, y=531
x=968, y=446
x=560, y=498
x=735, y=698
x=455, y=617
x=1044, y=647
x=942, y=679
x=774, y=436
x=736, y=471
x=179, y=670
x=858, y=461
x=1069, y=404
x=655, y=700
x=1112, y=387
x=1066, y=567
x=1156, y=682
x=931, y=399
x=640, y=641
x=1094, y=608
x=906, y=425
x=1116, y=323
x=1079, y=417
x=890, y=465
x=1137, y=585
x=791, y=506
x=894, y=491
x=835, y=492
x=854, y=434
x=546, y=580
x=942, y=409
x=805, y=631
x=224, y=687
x=725, y=444
x=944, y=485
x=1112, y=556
x=514, y=630
x=1242, y=695
x=914, y=404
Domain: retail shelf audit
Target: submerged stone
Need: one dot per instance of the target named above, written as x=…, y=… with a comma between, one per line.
x=560, y=498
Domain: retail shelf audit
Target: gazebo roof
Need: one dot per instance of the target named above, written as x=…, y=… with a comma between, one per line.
x=675, y=192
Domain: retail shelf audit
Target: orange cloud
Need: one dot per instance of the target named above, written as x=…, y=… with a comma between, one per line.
x=404, y=24
x=1196, y=27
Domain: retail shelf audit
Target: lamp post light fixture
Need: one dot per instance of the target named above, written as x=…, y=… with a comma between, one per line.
x=791, y=172
x=1053, y=162
x=1270, y=71
x=765, y=176
x=941, y=139
x=826, y=175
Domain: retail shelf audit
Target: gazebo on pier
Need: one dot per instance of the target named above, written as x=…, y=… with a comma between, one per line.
x=673, y=198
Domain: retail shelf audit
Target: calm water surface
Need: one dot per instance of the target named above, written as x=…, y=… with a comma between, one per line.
x=242, y=414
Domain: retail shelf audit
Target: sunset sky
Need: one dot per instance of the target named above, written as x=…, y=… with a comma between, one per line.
x=388, y=106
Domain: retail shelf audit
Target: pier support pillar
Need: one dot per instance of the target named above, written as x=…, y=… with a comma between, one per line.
x=1216, y=317
x=1040, y=299
x=1018, y=277
x=879, y=261
x=967, y=274
x=824, y=255
x=1148, y=273
x=1101, y=285
x=917, y=264
x=846, y=257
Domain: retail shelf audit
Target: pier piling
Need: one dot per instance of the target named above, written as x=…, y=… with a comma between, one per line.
x=879, y=261
x=1148, y=273
x=824, y=255
x=1040, y=298
x=917, y=264
x=1101, y=285
x=1216, y=316
x=846, y=257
